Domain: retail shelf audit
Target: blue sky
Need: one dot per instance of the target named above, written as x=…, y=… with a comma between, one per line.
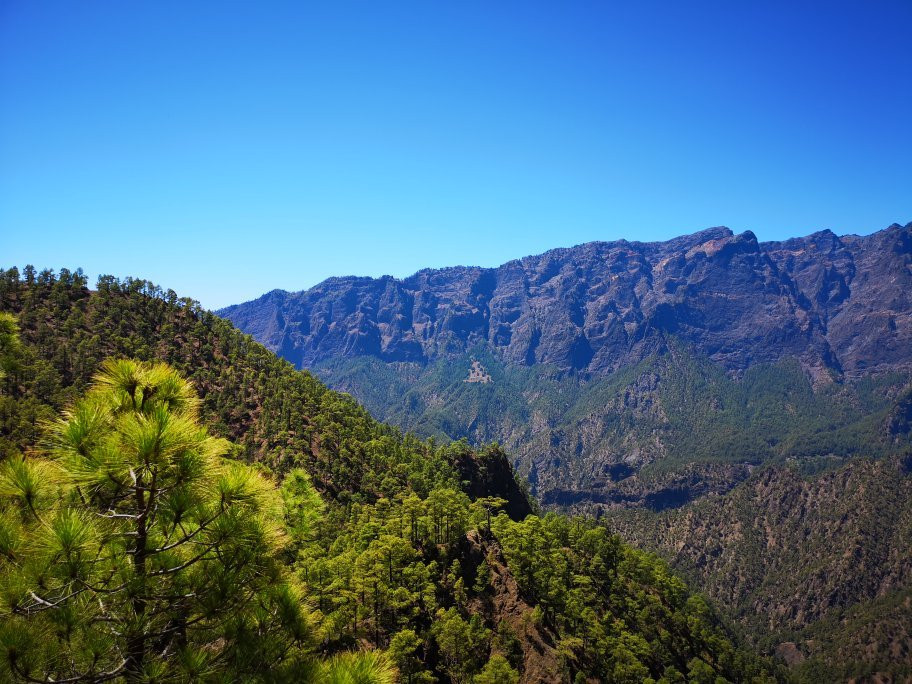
x=224, y=149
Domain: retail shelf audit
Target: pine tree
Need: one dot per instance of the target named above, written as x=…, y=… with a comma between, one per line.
x=497, y=671
x=136, y=549
x=9, y=343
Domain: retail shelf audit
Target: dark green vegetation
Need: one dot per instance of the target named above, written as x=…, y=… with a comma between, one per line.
x=391, y=542
x=818, y=568
x=660, y=433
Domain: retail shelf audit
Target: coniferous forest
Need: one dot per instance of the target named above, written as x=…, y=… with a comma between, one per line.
x=179, y=504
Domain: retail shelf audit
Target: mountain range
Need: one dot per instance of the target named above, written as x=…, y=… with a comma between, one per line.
x=743, y=408
x=838, y=304
x=624, y=373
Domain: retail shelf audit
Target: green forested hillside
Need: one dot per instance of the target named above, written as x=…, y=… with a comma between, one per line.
x=397, y=544
x=662, y=432
x=786, y=502
x=816, y=568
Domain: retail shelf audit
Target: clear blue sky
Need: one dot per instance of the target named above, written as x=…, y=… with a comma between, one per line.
x=224, y=149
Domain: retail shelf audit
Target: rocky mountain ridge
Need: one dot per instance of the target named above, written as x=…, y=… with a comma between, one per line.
x=841, y=305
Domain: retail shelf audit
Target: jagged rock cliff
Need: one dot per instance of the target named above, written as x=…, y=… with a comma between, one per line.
x=841, y=305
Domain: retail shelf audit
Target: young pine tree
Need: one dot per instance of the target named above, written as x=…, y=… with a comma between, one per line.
x=9, y=343
x=137, y=551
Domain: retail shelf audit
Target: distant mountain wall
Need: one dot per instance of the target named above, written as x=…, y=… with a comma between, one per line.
x=840, y=305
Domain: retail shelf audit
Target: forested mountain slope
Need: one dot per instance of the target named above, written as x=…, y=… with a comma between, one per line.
x=681, y=364
x=397, y=542
x=663, y=432
x=818, y=568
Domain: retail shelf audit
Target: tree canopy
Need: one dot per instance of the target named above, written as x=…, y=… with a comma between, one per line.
x=135, y=549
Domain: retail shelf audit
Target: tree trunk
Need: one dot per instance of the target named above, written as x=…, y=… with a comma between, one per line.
x=136, y=640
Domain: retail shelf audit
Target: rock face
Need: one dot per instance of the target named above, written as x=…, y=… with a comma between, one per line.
x=488, y=473
x=840, y=305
